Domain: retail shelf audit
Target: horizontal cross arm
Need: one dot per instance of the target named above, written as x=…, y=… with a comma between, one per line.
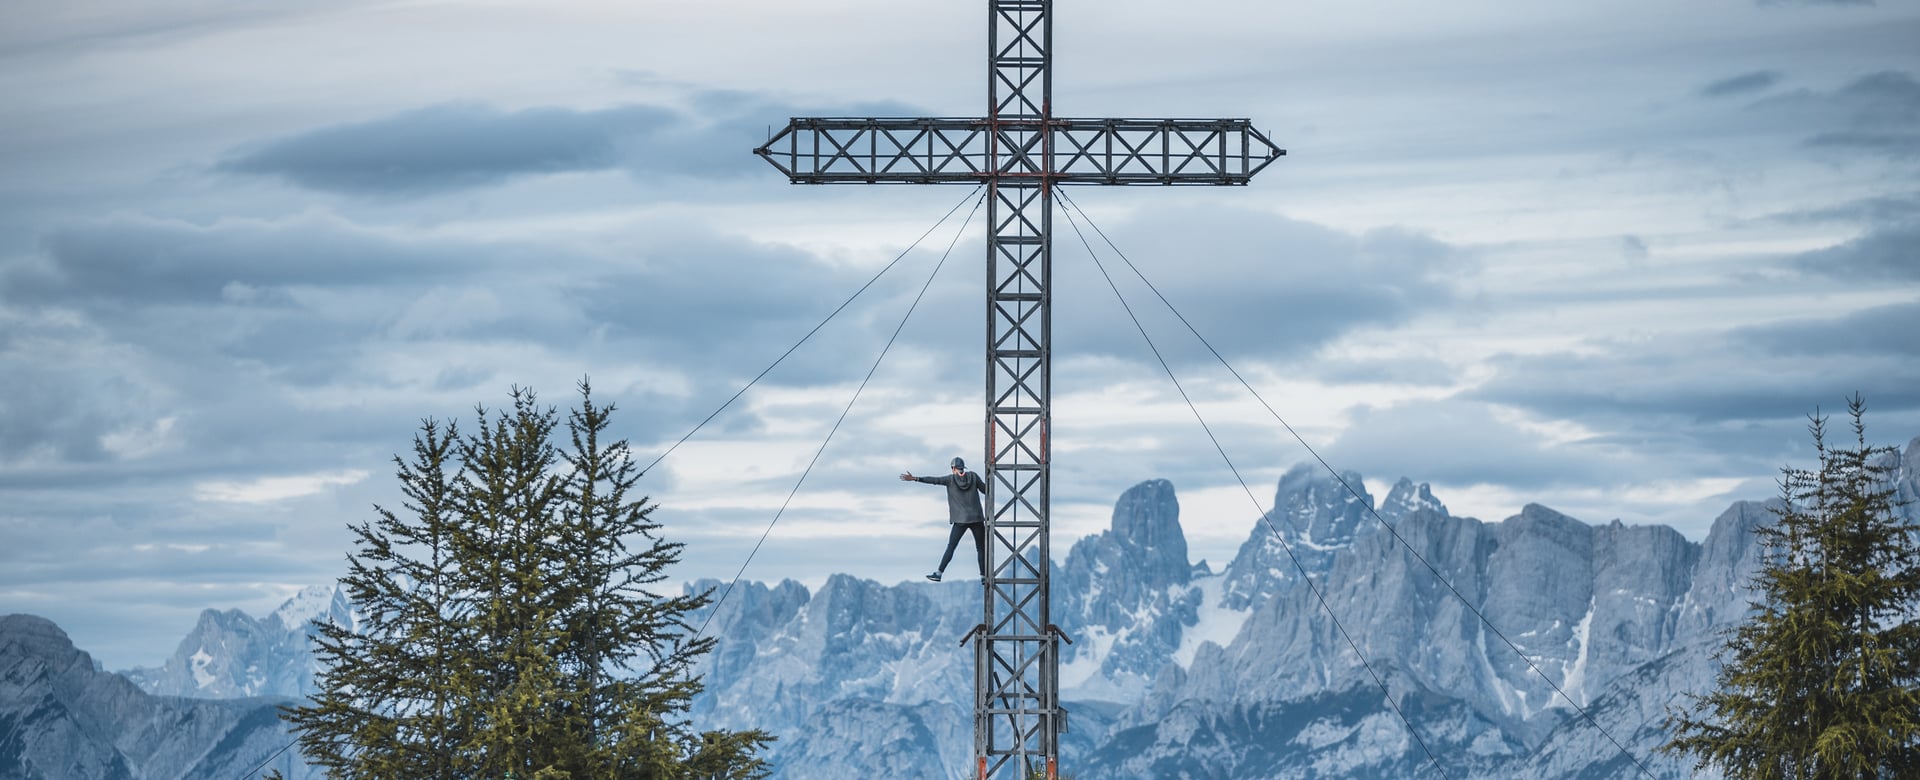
x=1158, y=151
x=1062, y=151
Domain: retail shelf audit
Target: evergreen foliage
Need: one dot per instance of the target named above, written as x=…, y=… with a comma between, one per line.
x=506, y=628
x=1823, y=679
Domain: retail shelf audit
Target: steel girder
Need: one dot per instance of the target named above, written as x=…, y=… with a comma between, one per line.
x=1017, y=718
x=1017, y=714
x=973, y=151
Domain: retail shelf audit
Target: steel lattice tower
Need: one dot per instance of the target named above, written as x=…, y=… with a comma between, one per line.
x=1019, y=151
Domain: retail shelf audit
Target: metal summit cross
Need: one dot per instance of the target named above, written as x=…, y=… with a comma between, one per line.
x=1020, y=151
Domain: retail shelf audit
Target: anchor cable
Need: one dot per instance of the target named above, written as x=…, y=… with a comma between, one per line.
x=836, y=423
x=1264, y=518
x=269, y=759
x=1356, y=494
x=816, y=329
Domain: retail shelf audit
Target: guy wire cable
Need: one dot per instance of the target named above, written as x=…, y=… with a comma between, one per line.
x=1356, y=494
x=836, y=424
x=269, y=759
x=1355, y=646
x=816, y=329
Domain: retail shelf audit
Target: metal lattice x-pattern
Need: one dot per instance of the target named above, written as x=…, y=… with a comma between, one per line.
x=1020, y=152
x=1085, y=151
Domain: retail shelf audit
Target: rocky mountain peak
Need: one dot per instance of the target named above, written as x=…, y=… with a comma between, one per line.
x=1322, y=509
x=1407, y=498
x=37, y=637
x=1145, y=536
x=316, y=602
x=1728, y=558
x=61, y=717
x=1314, y=515
x=1144, y=543
x=1540, y=575
x=232, y=654
x=1640, y=574
x=1128, y=586
x=1906, y=476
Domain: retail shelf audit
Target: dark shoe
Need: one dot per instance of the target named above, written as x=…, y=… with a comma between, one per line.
x=934, y=576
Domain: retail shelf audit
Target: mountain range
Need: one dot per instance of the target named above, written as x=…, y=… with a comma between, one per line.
x=63, y=718
x=1484, y=642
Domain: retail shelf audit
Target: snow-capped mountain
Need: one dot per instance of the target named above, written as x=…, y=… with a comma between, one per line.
x=63, y=719
x=1177, y=671
x=230, y=654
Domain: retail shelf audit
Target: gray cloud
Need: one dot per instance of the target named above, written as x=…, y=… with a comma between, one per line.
x=1254, y=284
x=1888, y=95
x=40, y=419
x=1885, y=253
x=1746, y=83
x=1466, y=442
x=732, y=306
x=300, y=304
x=456, y=146
x=43, y=26
x=124, y=322
x=139, y=259
x=141, y=569
x=1413, y=372
x=657, y=277
x=1633, y=247
x=1683, y=390
x=460, y=248
x=1895, y=145
x=1873, y=114
x=464, y=145
x=1703, y=381
x=221, y=327
x=1813, y=2
x=1251, y=283
x=1882, y=330
x=1879, y=209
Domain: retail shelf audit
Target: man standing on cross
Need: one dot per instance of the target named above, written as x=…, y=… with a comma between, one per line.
x=964, y=489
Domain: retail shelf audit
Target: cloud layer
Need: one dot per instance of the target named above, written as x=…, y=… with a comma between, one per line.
x=1553, y=253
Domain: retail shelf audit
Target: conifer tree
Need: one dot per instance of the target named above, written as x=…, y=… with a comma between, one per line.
x=1823, y=679
x=505, y=627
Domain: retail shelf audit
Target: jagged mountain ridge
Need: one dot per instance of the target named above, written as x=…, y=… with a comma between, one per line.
x=230, y=654
x=63, y=719
x=1178, y=671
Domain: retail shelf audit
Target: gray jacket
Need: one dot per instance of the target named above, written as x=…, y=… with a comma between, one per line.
x=963, y=496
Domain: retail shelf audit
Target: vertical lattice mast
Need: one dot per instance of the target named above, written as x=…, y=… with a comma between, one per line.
x=1017, y=716
x=1020, y=152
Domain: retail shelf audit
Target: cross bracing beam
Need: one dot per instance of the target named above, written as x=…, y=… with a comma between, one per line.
x=1017, y=712
x=1071, y=151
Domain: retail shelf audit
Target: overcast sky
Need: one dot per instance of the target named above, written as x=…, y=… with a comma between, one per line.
x=1603, y=256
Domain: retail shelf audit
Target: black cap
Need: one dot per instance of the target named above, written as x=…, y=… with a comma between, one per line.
x=958, y=464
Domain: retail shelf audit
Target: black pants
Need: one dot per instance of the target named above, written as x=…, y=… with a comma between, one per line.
x=979, y=544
